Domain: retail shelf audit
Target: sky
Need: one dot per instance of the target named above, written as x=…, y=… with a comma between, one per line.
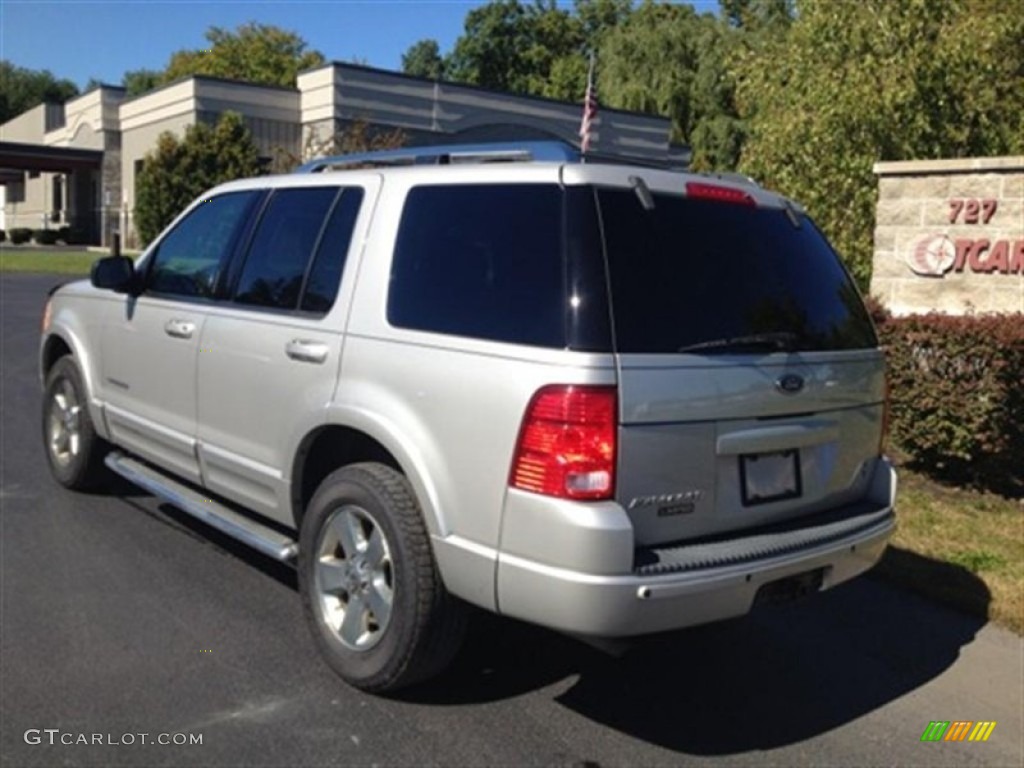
x=83, y=39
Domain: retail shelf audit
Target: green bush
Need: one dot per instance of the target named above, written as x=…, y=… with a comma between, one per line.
x=45, y=236
x=3, y=236
x=956, y=394
x=21, y=235
x=71, y=235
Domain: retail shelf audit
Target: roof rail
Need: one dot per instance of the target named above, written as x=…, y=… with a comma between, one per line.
x=450, y=154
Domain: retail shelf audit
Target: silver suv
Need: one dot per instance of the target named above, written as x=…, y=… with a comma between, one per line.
x=608, y=399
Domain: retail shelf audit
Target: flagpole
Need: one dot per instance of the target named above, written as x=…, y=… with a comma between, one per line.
x=589, y=109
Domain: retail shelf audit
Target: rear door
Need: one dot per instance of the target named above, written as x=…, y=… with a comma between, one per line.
x=270, y=355
x=749, y=375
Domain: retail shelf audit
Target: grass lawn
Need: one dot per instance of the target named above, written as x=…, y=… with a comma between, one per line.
x=62, y=260
x=959, y=547
x=68, y=261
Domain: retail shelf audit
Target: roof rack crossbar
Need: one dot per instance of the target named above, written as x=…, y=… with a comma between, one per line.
x=449, y=154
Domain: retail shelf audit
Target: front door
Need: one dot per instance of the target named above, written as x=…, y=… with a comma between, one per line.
x=151, y=342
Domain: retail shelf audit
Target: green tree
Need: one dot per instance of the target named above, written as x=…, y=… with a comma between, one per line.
x=255, y=52
x=852, y=84
x=510, y=46
x=667, y=60
x=21, y=89
x=423, y=59
x=179, y=170
x=139, y=81
x=757, y=14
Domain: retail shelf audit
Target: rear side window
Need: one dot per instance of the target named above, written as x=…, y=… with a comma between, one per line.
x=282, y=247
x=484, y=261
x=696, y=272
x=325, y=274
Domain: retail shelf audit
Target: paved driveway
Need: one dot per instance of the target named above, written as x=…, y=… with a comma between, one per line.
x=120, y=616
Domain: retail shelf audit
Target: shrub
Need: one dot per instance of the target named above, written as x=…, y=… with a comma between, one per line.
x=21, y=235
x=3, y=236
x=957, y=400
x=178, y=170
x=45, y=236
x=71, y=235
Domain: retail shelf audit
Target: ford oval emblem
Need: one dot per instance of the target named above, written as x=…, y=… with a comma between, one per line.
x=789, y=384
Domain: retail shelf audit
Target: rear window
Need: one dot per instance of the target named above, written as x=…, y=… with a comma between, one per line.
x=695, y=272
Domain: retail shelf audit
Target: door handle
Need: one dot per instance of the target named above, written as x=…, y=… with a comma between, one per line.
x=180, y=329
x=306, y=351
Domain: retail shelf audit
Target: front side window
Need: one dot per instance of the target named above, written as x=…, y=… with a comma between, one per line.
x=189, y=258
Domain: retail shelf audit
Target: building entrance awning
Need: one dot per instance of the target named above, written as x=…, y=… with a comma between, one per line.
x=34, y=157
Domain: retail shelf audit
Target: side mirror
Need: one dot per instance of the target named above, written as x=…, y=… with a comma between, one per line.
x=115, y=273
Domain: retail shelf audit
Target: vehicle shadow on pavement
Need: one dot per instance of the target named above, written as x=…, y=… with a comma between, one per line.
x=780, y=676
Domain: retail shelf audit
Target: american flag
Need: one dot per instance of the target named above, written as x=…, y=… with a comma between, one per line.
x=589, y=109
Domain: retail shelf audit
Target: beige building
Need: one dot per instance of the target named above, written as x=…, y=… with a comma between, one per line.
x=75, y=164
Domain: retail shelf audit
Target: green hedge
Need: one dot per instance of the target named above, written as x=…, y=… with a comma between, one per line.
x=957, y=396
x=45, y=236
x=71, y=235
x=3, y=236
x=21, y=235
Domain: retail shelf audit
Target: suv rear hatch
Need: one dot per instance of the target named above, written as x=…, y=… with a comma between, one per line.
x=750, y=381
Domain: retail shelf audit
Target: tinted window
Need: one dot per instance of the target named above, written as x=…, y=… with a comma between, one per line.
x=324, y=277
x=694, y=271
x=189, y=258
x=482, y=261
x=282, y=247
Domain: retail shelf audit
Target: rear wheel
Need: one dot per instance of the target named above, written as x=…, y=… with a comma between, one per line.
x=370, y=588
x=74, y=451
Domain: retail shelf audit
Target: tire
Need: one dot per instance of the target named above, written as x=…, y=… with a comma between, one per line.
x=73, y=449
x=371, y=590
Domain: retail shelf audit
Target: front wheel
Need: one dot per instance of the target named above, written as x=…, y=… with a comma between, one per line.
x=370, y=587
x=74, y=450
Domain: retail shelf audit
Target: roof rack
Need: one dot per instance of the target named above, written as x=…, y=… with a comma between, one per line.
x=497, y=152
x=450, y=154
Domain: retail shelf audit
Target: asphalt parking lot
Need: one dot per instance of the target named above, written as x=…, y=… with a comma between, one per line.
x=120, y=616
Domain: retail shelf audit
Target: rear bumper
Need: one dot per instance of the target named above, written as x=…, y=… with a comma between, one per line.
x=695, y=584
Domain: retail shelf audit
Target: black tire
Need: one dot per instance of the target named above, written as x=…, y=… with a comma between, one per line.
x=422, y=629
x=76, y=463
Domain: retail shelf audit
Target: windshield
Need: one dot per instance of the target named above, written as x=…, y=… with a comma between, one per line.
x=710, y=278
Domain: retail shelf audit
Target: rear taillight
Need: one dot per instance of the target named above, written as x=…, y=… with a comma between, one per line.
x=47, y=314
x=566, y=444
x=696, y=189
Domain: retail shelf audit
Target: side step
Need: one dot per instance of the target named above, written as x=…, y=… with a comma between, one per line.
x=261, y=538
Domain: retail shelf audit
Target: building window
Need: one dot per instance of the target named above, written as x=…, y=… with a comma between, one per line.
x=16, y=191
x=58, y=195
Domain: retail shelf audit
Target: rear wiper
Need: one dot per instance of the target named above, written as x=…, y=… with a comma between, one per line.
x=782, y=341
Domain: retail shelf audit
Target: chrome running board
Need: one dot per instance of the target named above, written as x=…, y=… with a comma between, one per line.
x=256, y=535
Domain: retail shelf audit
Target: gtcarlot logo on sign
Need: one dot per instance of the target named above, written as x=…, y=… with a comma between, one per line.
x=958, y=730
x=55, y=736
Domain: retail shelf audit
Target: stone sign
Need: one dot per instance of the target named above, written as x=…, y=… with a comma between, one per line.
x=949, y=236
